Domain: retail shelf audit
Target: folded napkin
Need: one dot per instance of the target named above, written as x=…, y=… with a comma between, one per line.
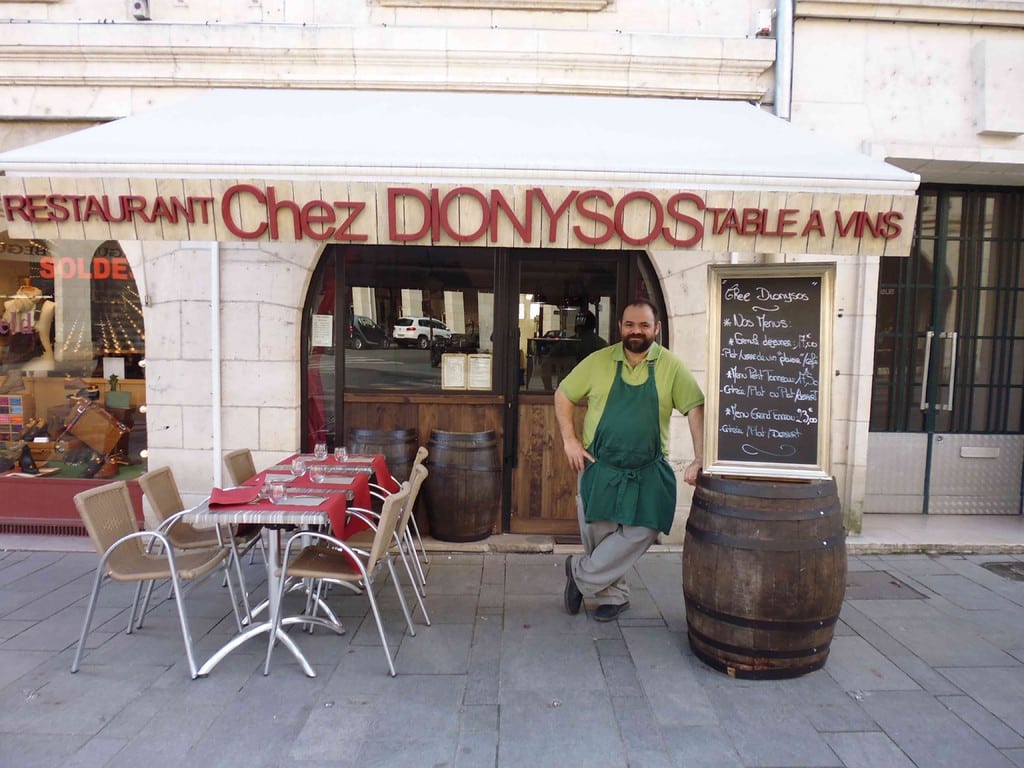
x=230, y=497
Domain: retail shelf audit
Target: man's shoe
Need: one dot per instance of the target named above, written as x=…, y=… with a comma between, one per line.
x=573, y=596
x=609, y=611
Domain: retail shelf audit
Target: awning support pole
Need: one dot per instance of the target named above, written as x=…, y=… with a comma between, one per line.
x=215, y=384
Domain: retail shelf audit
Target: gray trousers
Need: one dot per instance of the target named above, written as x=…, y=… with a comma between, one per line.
x=611, y=550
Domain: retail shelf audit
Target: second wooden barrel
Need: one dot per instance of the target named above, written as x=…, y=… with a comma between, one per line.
x=463, y=490
x=764, y=574
x=399, y=447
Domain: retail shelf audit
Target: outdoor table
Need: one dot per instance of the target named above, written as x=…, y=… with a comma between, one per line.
x=369, y=464
x=303, y=507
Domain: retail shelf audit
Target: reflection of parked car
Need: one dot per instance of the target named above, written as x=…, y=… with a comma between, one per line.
x=363, y=332
x=419, y=331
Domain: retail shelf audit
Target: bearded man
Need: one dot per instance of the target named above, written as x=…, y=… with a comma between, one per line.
x=627, y=490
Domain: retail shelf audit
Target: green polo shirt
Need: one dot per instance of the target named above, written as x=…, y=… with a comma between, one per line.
x=592, y=379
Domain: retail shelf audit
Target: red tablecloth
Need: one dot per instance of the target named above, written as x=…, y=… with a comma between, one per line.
x=381, y=473
x=335, y=505
x=342, y=524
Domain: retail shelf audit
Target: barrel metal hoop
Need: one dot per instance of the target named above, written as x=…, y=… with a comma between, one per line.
x=756, y=674
x=771, y=545
x=759, y=653
x=775, y=514
x=768, y=490
x=740, y=621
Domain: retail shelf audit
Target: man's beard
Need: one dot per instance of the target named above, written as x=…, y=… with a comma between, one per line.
x=638, y=344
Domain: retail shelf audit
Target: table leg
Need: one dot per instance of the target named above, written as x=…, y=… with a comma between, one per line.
x=273, y=584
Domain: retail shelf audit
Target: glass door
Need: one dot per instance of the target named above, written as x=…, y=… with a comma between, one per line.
x=949, y=361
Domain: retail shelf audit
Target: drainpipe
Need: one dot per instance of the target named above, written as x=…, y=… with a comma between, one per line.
x=784, y=58
x=215, y=361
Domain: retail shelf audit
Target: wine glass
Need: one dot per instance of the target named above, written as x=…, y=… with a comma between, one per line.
x=340, y=453
x=320, y=451
x=277, y=492
x=298, y=466
x=317, y=473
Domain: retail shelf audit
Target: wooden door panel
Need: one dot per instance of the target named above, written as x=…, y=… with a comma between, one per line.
x=543, y=485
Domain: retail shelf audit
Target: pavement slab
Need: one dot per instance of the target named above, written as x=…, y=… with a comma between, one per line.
x=926, y=669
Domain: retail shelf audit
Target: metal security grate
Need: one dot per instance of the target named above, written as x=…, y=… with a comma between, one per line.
x=1008, y=570
x=950, y=324
x=43, y=528
x=878, y=585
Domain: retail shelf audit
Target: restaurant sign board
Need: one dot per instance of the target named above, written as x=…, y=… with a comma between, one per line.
x=769, y=370
x=472, y=215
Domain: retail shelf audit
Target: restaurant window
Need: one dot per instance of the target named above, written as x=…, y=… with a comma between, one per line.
x=72, y=361
x=426, y=321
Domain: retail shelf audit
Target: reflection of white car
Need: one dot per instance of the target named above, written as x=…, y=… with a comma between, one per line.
x=419, y=331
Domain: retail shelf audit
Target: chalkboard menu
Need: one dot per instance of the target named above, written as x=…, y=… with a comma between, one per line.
x=769, y=366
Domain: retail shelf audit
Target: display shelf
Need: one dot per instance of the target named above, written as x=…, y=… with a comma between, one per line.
x=14, y=411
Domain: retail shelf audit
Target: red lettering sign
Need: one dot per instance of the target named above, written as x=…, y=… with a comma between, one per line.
x=465, y=214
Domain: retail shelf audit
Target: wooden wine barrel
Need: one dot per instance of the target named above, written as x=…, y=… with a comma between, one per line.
x=463, y=490
x=399, y=447
x=764, y=574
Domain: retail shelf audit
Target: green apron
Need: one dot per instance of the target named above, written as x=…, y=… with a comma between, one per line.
x=629, y=482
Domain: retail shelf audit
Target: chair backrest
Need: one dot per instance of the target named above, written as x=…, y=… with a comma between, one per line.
x=108, y=516
x=390, y=512
x=160, y=489
x=239, y=465
x=419, y=474
x=421, y=456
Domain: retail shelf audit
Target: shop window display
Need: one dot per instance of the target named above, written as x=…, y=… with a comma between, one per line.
x=72, y=358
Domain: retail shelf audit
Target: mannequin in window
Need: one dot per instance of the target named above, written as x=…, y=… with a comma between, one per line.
x=23, y=300
x=44, y=325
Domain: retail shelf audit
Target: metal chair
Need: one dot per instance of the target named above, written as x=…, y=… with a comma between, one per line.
x=110, y=520
x=240, y=465
x=380, y=492
x=328, y=559
x=161, y=491
x=405, y=547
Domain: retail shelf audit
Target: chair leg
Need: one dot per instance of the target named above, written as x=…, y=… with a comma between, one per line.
x=380, y=626
x=134, y=613
x=88, y=618
x=237, y=562
x=145, y=603
x=231, y=592
x=412, y=581
x=416, y=529
x=401, y=597
x=193, y=668
x=421, y=577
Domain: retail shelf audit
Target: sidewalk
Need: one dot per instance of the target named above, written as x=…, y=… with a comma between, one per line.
x=926, y=669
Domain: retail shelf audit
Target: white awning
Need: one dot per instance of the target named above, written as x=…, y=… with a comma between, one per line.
x=433, y=136
x=728, y=153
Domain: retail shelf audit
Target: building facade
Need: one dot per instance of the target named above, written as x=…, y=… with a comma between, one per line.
x=229, y=258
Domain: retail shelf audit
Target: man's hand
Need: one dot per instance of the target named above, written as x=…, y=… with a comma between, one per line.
x=576, y=454
x=692, y=472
